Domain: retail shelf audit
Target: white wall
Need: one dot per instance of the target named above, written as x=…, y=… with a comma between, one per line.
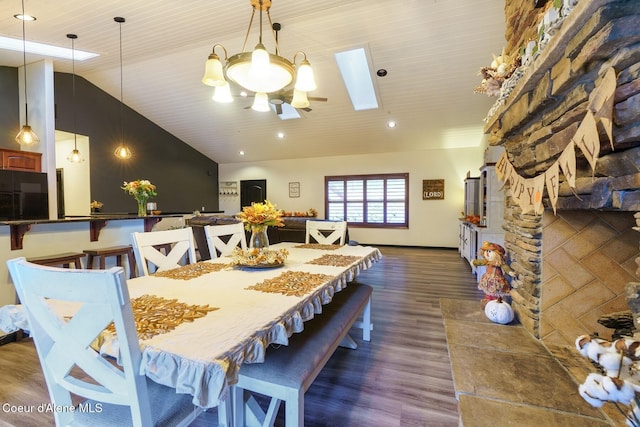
x=76, y=176
x=432, y=223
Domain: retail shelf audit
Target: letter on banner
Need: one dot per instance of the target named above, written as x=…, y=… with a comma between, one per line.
x=601, y=102
x=538, y=190
x=501, y=166
x=586, y=138
x=552, y=179
x=567, y=162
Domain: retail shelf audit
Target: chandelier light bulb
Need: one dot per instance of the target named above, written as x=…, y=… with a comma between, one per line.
x=261, y=102
x=222, y=93
x=300, y=99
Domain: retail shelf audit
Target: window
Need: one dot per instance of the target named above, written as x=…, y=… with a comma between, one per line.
x=368, y=200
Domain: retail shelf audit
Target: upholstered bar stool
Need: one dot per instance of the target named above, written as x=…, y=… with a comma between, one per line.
x=64, y=259
x=116, y=251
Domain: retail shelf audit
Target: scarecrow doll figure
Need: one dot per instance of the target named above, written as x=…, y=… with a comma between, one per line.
x=493, y=282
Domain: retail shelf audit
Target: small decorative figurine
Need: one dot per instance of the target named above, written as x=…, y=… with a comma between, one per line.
x=493, y=282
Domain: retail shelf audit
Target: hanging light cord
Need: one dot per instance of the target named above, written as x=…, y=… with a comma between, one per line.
x=73, y=88
x=121, y=90
x=24, y=61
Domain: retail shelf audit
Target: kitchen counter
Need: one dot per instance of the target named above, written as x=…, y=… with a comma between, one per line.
x=96, y=223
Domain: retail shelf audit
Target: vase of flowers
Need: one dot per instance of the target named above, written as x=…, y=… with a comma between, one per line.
x=95, y=206
x=141, y=190
x=257, y=218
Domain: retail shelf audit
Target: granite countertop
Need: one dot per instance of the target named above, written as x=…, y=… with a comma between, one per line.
x=94, y=217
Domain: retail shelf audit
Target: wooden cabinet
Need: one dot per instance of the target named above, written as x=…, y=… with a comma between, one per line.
x=20, y=160
x=490, y=207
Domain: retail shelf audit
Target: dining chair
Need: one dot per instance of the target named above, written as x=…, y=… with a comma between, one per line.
x=115, y=394
x=233, y=235
x=149, y=256
x=326, y=232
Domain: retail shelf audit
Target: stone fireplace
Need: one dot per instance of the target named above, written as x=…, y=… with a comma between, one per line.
x=574, y=264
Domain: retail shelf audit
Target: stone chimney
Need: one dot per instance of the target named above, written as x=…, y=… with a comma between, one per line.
x=576, y=262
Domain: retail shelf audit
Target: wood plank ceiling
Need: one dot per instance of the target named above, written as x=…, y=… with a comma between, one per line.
x=432, y=50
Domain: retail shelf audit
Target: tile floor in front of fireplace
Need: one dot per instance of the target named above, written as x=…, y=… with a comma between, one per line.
x=505, y=377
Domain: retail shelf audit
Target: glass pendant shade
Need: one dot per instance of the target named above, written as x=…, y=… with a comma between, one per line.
x=300, y=99
x=122, y=152
x=261, y=102
x=75, y=157
x=26, y=136
x=223, y=93
x=213, y=74
x=304, y=77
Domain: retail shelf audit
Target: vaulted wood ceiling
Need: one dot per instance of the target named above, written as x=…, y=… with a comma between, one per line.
x=432, y=50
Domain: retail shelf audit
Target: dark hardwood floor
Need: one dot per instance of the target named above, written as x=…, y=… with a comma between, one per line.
x=401, y=378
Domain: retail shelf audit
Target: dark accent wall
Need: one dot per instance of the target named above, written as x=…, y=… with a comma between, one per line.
x=9, y=108
x=186, y=179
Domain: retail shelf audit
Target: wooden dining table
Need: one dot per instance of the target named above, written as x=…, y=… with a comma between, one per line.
x=231, y=314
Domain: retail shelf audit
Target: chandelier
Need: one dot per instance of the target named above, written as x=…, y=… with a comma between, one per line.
x=258, y=71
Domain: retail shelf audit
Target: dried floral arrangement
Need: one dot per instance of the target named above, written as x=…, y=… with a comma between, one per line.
x=257, y=257
x=261, y=215
x=502, y=67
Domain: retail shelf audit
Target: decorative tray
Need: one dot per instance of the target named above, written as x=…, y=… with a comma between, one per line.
x=261, y=266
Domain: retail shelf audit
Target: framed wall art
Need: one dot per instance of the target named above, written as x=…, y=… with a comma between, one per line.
x=294, y=189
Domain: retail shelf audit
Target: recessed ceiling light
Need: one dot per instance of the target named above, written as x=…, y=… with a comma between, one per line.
x=281, y=135
x=241, y=153
x=44, y=49
x=392, y=124
x=24, y=17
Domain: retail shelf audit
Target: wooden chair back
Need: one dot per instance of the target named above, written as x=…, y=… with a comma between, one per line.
x=326, y=232
x=148, y=248
x=223, y=239
x=64, y=344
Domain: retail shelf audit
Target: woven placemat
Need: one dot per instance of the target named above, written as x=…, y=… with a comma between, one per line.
x=291, y=283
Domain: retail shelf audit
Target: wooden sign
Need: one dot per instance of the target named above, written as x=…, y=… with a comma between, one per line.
x=433, y=189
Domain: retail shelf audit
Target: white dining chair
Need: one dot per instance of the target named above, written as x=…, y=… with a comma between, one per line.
x=116, y=394
x=148, y=248
x=326, y=232
x=223, y=239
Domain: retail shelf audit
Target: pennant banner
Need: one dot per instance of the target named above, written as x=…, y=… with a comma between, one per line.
x=528, y=192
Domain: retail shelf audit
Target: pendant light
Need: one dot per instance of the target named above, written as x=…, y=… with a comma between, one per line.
x=122, y=151
x=26, y=136
x=74, y=156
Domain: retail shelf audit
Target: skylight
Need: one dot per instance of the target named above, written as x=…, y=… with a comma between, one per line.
x=354, y=68
x=288, y=112
x=44, y=49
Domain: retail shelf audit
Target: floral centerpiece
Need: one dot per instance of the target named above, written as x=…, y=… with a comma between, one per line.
x=141, y=190
x=257, y=218
x=96, y=206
